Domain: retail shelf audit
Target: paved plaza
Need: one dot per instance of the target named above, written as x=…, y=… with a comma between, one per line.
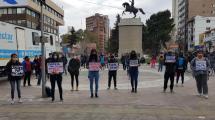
x=148, y=104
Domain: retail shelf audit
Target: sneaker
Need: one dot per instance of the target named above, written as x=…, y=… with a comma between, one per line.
x=12, y=102
x=20, y=100
x=205, y=96
x=199, y=95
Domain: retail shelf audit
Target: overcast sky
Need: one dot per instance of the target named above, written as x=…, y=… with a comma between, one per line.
x=77, y=10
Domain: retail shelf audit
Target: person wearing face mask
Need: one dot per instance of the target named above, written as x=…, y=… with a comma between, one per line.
x=73, y=69
x=14, y=69
x=56, y=77
x=94, y=66
x=200, y=66
x=134, y=63
x=27, y=65
x=112, y=73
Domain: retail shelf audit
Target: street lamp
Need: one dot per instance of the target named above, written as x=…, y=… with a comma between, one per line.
x=42, y=40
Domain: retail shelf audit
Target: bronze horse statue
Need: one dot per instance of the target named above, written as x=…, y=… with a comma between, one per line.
x=132, y=9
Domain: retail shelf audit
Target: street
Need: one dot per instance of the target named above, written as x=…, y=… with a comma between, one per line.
x=148, y=104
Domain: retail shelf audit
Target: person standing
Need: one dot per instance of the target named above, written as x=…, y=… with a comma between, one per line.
x=200, y=66
x=153, y=61
x=181, y=66
x=170, y=63
x=133, y=70
x=112, y=73
x=12, y=67
x=94, y=66
x=73, y=69
x=102, y=61
x=36, y=66
x=56, y=76
x=161, y=62
x=27, y=66
x=123, y=61
x=65, y=61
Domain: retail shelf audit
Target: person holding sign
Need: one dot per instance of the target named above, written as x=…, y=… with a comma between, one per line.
x=112, y=67
x=170, y=63
x=93, y=66
x=133, y=70
x=200, y=66
x=55, y=69
x=15, y=72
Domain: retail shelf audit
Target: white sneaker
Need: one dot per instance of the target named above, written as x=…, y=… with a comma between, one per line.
x=205, y=96
x=199, y=95
x=20, y=100
x=12, y=102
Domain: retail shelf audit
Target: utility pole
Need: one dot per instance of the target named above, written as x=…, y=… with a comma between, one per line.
x=42, y=40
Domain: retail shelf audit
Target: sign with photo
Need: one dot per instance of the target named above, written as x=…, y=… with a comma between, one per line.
x=201, y=65
x=133, y=63
x=170, y=59
x=94, y=66
x=55, y=67
x=113, y=66
x=17, y=71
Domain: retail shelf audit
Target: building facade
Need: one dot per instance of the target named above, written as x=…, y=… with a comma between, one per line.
x=187, y=9
x=209, y=40
x=196, y=29
x=99, y=25
x=26, y=13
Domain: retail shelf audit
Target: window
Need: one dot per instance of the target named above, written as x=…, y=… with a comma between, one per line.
x=51, y=40
x=21, y=22
x=208, y=28
x=9, y=11
x=34, y=35
x=29, y=24
x=208, y=21
x=20, y=10
x=28, y=12
x=14, y=11
x=34, y=25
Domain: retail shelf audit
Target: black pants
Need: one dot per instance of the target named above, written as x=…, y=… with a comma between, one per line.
x=54, y=79
x=180, y=73
x=27, y=77
x=112, y=74
x=202, y=84
x=168, y=76
x=14, y=83
x=124, y=66
x=74, y=75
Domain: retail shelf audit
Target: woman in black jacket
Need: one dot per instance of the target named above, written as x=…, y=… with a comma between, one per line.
x=14, y=70
x=73, y=68
x=56, y=77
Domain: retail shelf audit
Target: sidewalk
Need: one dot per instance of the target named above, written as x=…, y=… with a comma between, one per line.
x=148, y=104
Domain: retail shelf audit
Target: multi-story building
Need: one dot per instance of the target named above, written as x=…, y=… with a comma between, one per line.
x=209, y=40
x=196, y=27
x=26, y=13
x=99, y=25
x=175, y=17
x=187, y=9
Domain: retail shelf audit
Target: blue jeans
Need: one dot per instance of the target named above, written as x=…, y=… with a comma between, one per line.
x=16, y=83
x=94, y=76
x=134, y=78
x=160, y=67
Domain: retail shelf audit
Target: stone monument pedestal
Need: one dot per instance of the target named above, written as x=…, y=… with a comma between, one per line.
x=130, y=35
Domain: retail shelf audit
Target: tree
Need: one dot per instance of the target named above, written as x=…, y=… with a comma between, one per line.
x=157, y=31
x=114, y=39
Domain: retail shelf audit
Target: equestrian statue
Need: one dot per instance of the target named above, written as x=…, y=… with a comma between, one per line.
x=132, y=9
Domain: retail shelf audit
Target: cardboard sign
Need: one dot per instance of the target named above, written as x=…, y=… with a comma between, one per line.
x=93, y=66
x=170, y=59
x=55, y=67
x=113, y=66
x=17, y=71
x=133, y=63
x=201, y=65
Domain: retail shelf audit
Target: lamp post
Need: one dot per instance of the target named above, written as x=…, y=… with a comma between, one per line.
x=42, y=40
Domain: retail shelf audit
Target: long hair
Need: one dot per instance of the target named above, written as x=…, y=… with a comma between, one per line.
x=93, y=56
x=133, y=55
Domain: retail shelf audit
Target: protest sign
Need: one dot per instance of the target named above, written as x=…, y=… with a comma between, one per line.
x=55, y=67
x=94, y=66
x=17, y=71
x=170, y=59
x=133, y=63
x=201, y=65
x=113, y=66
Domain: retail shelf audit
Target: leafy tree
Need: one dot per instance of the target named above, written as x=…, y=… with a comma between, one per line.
x=157, y=31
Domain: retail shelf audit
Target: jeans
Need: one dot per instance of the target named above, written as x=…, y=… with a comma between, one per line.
x=58, y=79
x=112, y=74
x=168, y=76
x=16, y=83
x=27, y=77
x=201, y=83
x=94, y=76
x=39, y=77
x=160, y=68
x=134, y=79
x=180, y=73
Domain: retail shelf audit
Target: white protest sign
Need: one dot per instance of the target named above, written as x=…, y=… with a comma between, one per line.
x=170, y=59
x=17, y=71
x=55, y=67
x=201, y=65
x=94, y=66
x=113, y=66
x=133, y=63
